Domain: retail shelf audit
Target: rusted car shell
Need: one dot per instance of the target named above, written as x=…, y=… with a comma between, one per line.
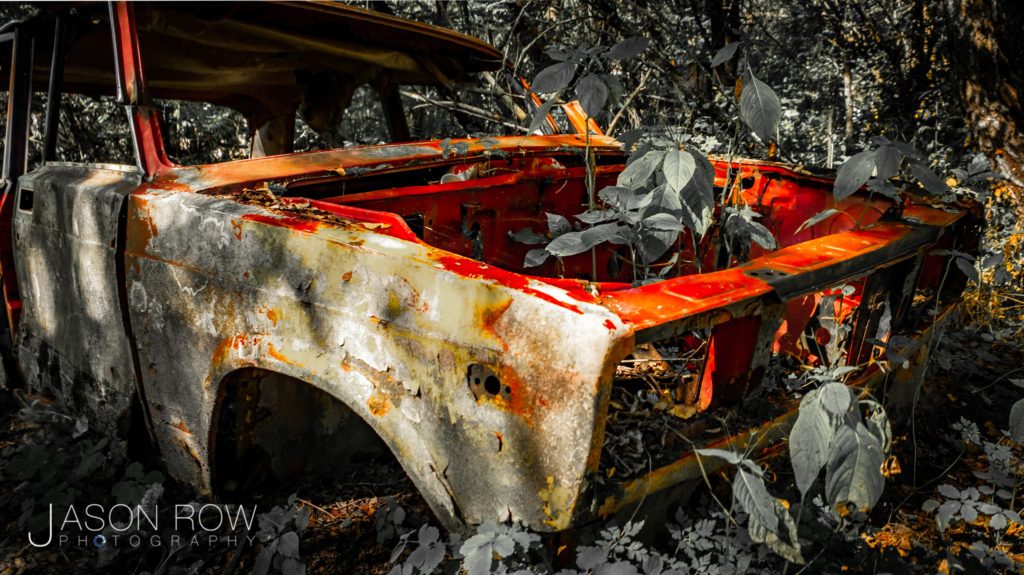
x=490, y=386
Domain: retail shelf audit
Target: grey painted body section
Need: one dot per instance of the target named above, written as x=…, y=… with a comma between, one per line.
x=72, y=339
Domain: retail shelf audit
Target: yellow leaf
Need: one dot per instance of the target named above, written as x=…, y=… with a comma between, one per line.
x=683, y=411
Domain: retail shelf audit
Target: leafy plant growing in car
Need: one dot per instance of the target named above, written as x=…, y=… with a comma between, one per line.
x=664, y=189
x=591, y=88
x=660, y=193
x=835, y=431
x=877, y=167
x=279, y=531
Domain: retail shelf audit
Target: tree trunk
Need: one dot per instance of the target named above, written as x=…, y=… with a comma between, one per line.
x=985, y=36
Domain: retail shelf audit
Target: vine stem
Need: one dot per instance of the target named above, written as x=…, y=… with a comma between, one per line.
x=629, y=100
x=867, y=204
x=924, y=366
x=591, y=184
x=707, y=481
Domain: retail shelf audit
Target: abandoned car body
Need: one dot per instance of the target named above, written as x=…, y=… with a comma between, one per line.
x=265, y=312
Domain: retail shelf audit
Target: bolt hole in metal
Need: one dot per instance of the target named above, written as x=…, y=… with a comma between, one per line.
x=484, y=381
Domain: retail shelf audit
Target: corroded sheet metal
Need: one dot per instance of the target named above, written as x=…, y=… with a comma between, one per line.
x=388, y=326
x=71, y=338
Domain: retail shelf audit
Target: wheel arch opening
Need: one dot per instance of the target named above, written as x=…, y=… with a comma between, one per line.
x=269, y=428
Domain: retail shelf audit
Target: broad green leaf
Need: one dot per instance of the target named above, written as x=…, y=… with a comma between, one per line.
x=704, y=172
x=629, y=138
x=945, y=514
x=292, y=566
x=883, y=187
x=749, y=491
x=263, y=560
x=1017, y=422
x=503, y=545
x=678, y=168
x=931, y=182
x=554, y=78
x=559, y=54
x=887, y=161
x=567, y=244
x=599, y=234
x=528, y=237
x=835, y=398
x=614, y=195
x=524, y=538
x=625, y=235
x=669, y=265
x=818, y=217
x=877, y=423
x=730, y=456
x=535, y=257
x=639, y=200
x=664, y=222
x=698, y=197
x=428, y=534
x=782, y=541
x=967, y=268
x=969, y=513
x=541, y=115
x=592, y=94
x=615, y=88
x=725, y=53
x=653, y=244
x=417, y=557
x=288, y=544
x=988, y=508
x=663, y=200
x=638, y=171
x=760, y=108
x=993, y=260
x=853, y=473
x=761, y=235
x=434, y=558
x=853, y=174
x=557, y=224
x=997, y=522
x=597, y=216
x=628, y=48
x=653, y=564
x=809, y=442
x=978, y=164
x=477, y=560
x=908, y=150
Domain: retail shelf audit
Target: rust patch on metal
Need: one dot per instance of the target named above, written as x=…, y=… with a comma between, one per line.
x=280, y=356
x=489, y=317
x=223, y=350
x=379, y=403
